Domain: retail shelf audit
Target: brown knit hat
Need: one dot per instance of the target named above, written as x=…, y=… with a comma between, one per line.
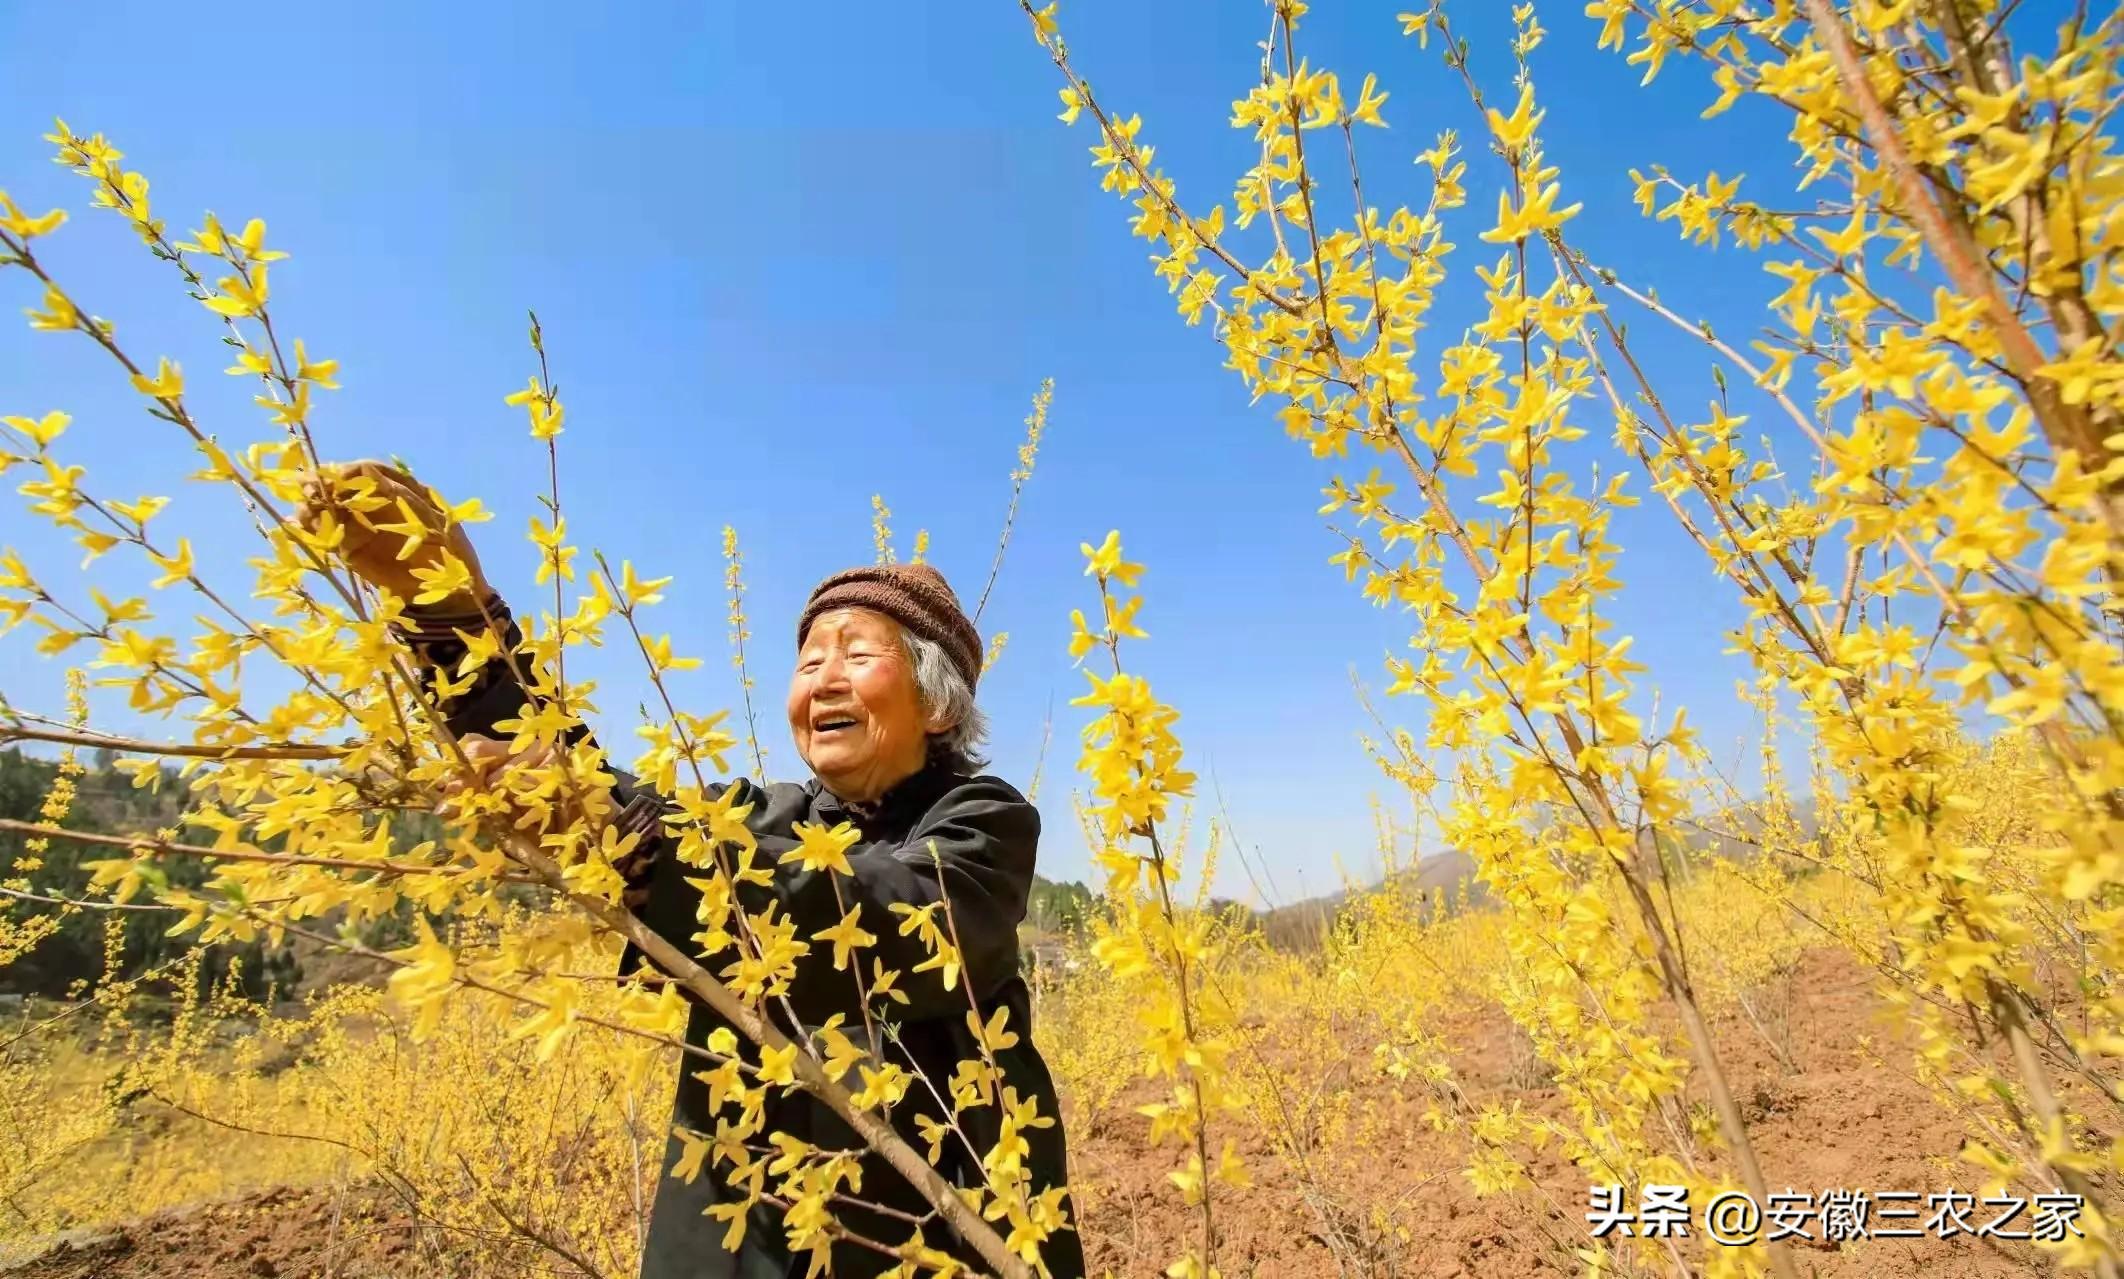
x=914, y=595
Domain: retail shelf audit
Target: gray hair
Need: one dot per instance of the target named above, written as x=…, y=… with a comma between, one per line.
x=944, y=693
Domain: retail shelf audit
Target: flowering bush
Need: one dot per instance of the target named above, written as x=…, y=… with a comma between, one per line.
x=1930, y=601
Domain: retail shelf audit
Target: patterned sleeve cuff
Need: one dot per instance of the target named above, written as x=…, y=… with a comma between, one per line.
x=433, y=633
x=436, y=638
x=432, y=622
x=641, y=814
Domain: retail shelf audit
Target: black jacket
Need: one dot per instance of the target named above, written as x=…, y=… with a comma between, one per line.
x=985, y=837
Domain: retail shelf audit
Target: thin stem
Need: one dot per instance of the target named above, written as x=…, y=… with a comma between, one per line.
x=181, y=750
x=2067, y=426
x=1034, y=426
x=142, y=843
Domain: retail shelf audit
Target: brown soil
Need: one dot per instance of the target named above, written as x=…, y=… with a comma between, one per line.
x=1400, y=1209
x=286, y=1233
x=1838, y=1123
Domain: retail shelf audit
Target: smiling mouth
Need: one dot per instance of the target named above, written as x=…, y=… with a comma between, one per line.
x=832, y=725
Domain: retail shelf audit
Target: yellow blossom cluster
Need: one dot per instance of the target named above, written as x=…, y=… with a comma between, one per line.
x=1955, y=550
x=303, y=795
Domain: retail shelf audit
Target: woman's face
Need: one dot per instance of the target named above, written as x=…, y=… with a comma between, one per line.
x=853, y=708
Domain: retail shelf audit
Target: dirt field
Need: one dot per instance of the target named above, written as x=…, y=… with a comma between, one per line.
x=1839, y=1123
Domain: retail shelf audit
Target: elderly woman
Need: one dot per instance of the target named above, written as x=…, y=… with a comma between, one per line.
x=881, y=705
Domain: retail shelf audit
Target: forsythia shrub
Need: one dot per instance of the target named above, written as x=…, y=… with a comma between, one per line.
x=1966, y=435
x=1931, y=603
x=345, y=852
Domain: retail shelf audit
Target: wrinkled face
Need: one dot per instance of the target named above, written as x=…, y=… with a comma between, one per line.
x=853, y=707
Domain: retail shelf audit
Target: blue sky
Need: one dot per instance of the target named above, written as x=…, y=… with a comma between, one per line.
x=788, y=257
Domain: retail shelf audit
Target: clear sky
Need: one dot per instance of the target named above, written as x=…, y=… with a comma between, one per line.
x=788, y=256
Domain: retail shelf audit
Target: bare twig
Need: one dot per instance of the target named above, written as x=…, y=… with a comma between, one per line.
x=182, y=750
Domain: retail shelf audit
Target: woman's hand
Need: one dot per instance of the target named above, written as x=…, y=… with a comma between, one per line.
x=534, y=790
x=396, y=532
x=534, y=793
x=493, y=769
x=484, y=755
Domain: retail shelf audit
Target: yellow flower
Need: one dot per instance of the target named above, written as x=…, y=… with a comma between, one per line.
x=1533, y=216
x=167, y=384
x=42, y=431
x=252, y=245
x=884, y=1086
x=250, y=361
x=25, y=226
x=637, y=591
x=992, y=1037
x=441, y=581
x=321, y=372
x=845, y=937
x=176, y=567
x=778, y=1065
x=239, y=296
x=1081, y=640
x=2088, y=375
x=1514, y=131
x=58, y=312
x=209, y=240
x=820, y=847
x=1368, y=103
x=1106, y=562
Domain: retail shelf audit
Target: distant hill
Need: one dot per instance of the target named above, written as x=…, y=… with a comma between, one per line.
x=1302, y=924
x=107, y=803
